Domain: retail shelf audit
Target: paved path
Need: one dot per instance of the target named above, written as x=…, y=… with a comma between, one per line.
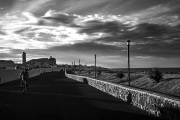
x=53, y=97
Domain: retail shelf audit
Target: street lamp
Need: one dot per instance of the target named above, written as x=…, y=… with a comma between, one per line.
x=79, y=66
x=72, y=66
x=95, y=66
x=128, y=44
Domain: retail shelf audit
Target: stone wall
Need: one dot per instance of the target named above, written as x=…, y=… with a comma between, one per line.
x=154, y=103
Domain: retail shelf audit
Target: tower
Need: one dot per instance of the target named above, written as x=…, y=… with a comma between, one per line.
x=52, y=61
x=24, y=58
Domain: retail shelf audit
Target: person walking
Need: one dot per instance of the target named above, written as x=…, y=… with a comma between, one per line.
x=24, y=76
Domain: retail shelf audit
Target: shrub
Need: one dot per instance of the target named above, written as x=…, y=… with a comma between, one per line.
x=89, y=72
x=70, y=71
x=99, y=72
x=80, y=71
x=155, y=74
x=120, y=74
x=111, y=71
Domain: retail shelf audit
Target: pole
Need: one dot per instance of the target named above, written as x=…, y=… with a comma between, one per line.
x=95, y=66
x=128, y=41
x=79, y=66
x=72, y=66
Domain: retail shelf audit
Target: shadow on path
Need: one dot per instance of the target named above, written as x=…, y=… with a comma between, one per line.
x=51, y=96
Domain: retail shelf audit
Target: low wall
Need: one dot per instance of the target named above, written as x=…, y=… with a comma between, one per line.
x=35, y=72
x=154, y=103
x=11, y=75
x=8, y=75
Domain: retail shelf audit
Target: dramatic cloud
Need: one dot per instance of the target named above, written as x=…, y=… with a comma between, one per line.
x=30, y=5
x=109, y=7
x=89, y=48
x=112, y=28
x=78, y=29
x=59, y=17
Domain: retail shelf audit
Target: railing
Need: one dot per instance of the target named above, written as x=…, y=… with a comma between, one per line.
x=154, y=103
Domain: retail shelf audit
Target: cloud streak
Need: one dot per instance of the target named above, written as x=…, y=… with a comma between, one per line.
x=29, y=5
x=66, y=28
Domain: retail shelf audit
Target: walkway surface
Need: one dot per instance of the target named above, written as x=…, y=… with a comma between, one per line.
x=54, y=97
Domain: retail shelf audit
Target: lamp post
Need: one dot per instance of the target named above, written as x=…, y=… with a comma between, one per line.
x=95, y=66
x=72, y=66
x=128, y=44
x=79, y=66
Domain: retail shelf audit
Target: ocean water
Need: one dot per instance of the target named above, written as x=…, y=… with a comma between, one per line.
x=164, y=70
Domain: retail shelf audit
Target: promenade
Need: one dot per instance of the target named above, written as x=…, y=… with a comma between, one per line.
x=51, y=96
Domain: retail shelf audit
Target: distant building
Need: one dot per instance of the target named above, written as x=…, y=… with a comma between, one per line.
x=7, y=64
x=24, y=58
x=42, y=62
x=52, y=61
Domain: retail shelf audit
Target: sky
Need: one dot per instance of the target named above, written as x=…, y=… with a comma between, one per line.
x=69, y=30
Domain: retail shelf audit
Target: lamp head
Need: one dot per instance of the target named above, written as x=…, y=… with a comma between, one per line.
x=128, y=42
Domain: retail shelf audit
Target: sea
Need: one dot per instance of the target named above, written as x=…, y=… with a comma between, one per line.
x=164, y=70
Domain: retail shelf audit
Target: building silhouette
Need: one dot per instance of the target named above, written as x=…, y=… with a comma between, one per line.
x=24, y=58
x=42, y=62
x=52, y=61
x=7, y=64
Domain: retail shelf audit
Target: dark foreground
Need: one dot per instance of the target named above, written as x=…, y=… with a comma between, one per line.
x=53, y=97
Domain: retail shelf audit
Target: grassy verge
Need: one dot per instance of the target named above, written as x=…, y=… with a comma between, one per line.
x=170, y=84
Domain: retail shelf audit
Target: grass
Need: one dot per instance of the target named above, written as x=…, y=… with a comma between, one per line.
x=170, y=84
